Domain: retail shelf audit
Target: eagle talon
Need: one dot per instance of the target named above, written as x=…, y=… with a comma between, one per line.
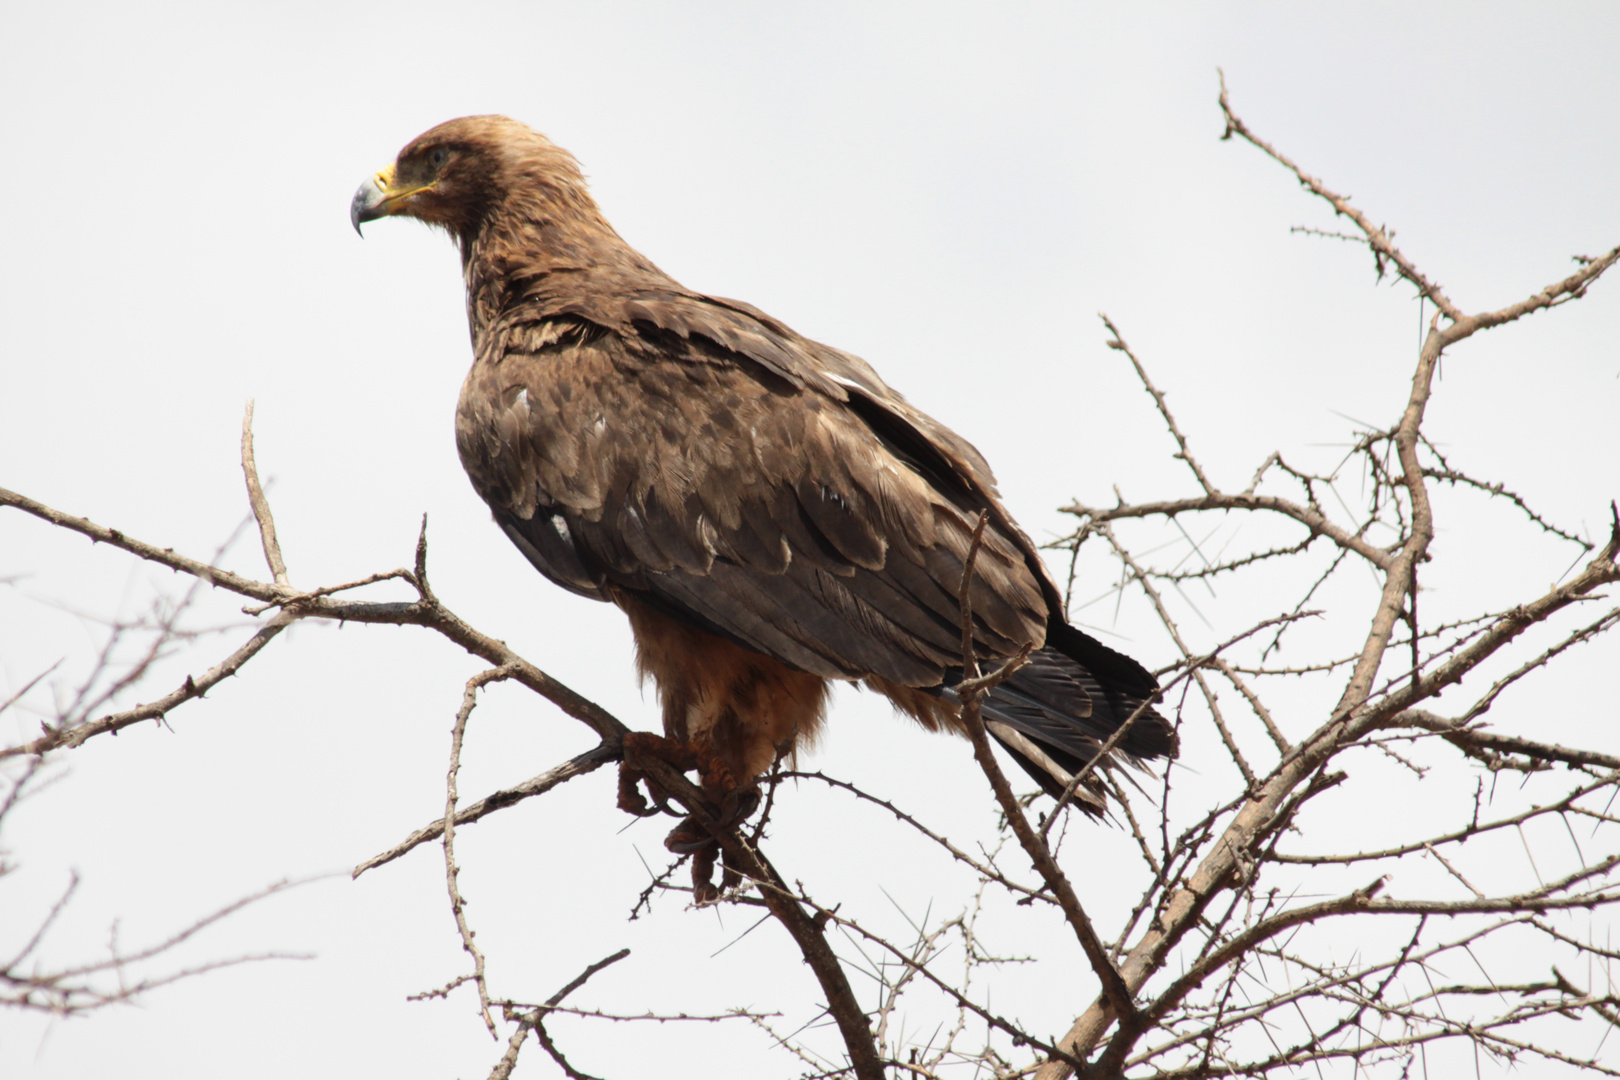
x=703, y=890
x=690, y=838
x=637, y=748
x=631, y=801
x=738, y=807
x=731, y=878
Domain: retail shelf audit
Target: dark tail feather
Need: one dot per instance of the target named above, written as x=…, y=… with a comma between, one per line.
x=1054, y=714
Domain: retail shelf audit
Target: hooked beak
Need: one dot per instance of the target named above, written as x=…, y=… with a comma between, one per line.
x=378, y=197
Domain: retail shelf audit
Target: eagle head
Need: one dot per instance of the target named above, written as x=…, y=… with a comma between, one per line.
x=463, y=172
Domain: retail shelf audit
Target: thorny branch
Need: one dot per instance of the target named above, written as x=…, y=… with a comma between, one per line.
x=971, y=691
x=26, y=982
x=458, y=905
x=261, y=505
x=535, y=1021
x=292, y=604
x=576, y=766
x=1230, y=862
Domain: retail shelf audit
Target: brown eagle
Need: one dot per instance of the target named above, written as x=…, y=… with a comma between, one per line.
x=765, y=509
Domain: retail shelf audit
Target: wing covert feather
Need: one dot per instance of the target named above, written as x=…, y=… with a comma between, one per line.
x=771, y=513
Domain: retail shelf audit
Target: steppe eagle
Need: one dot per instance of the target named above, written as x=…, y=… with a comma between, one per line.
x=767, y=512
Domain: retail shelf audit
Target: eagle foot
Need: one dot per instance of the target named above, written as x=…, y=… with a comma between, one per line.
x=738, y=807
x=689, y=838
x=731, y=804
x=692, y=835
x=704, y=890
x=639, y=746
x=730, y=879
x=631, y=801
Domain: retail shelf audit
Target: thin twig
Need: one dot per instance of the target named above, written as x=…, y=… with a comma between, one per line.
x=1182, y=452
x=535, y=1021
x=579, y=765
x=458, y=903
x=261, y=505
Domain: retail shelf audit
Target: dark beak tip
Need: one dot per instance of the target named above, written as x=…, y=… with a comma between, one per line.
x=364, y=206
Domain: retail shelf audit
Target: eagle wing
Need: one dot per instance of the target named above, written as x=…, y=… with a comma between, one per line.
x=723, y=471
x=693, y=455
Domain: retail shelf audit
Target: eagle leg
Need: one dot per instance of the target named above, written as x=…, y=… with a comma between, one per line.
x=732, y=803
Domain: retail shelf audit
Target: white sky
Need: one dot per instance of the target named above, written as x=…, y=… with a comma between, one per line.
x=951, y=191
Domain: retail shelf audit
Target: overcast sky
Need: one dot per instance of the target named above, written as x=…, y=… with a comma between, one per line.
x=951, y=191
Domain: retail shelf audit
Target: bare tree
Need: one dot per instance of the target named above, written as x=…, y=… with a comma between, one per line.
x=1478, y=923
x=128, y=650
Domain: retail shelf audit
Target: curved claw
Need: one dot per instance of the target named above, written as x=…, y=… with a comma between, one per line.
x=738, y=807
x=689, y=838
x=631, y=801
x=703, y=891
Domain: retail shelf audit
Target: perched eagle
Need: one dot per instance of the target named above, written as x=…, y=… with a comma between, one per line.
x=767, y=512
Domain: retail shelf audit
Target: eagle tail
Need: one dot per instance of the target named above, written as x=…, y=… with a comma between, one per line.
x=1055, y=713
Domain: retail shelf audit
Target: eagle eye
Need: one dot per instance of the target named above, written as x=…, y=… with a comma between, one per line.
x=439, y=156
